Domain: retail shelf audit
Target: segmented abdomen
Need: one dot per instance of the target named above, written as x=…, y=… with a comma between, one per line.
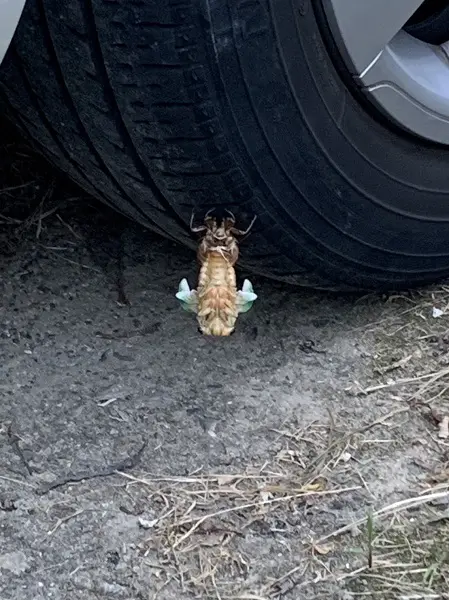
x=217, y=293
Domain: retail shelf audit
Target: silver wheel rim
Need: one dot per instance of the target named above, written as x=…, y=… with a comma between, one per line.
x=406, y=78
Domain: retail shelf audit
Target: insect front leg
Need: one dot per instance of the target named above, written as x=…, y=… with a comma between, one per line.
x=198, y=229
x=235, y=231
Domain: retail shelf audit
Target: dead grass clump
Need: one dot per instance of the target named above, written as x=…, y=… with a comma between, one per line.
x=401, y=551
x=196, y=533
x=35, y=191
x=202, y=516
x=411, y=352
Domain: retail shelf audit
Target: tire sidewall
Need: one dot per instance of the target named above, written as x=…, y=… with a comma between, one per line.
x=344, y=185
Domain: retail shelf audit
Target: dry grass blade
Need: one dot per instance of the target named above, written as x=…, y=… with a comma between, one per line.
x=391, y=509
x=433, y=377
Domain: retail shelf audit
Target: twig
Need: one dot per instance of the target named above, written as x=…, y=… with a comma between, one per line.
x=276, y=584
x=13, y=480
x=398, y=382
x=370, y=527
x=69, y=227
x=114, y=469
x=336, y=442
x=14, y=441
x=83, y=266
x=16, y=187
x=122, y=298
x=64, y=520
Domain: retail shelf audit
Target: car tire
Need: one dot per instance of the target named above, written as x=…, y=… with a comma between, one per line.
x=159, y=107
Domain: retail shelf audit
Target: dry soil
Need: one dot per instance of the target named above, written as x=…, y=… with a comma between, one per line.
x=140, y=460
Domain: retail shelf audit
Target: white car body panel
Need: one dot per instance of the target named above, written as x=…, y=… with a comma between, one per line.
x=10, y=12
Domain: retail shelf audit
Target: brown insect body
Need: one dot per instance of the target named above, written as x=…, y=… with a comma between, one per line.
x=217, y=288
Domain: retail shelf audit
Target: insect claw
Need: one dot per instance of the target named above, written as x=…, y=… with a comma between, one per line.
x=198, y=229
x=245, y=231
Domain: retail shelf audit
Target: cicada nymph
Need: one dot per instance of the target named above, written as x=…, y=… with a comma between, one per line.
x=216, y=301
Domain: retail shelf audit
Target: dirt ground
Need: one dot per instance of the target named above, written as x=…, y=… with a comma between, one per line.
x=304, y=457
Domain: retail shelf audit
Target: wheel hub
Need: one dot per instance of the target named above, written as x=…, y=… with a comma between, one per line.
x=401, y=61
